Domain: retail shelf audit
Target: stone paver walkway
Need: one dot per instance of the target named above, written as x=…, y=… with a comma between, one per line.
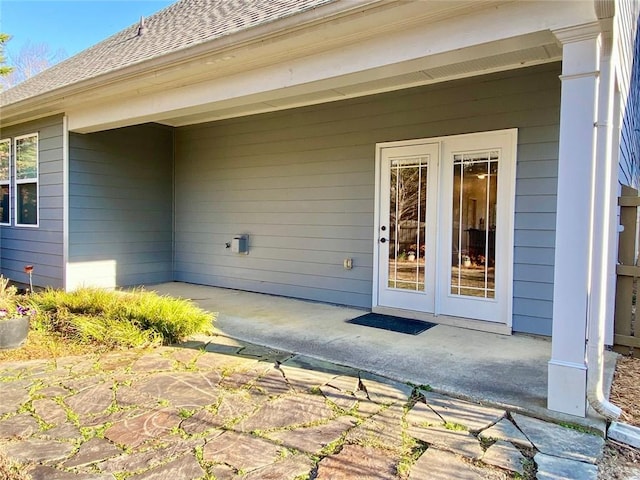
x=222, y=409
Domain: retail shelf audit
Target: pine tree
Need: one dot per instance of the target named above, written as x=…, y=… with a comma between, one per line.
x=4, y=69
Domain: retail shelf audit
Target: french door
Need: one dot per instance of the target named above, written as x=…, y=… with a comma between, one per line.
x=407, y=226
x=444, y=225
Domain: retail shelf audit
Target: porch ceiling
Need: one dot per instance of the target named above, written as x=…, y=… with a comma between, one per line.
x=380, y=47
x=495, y=56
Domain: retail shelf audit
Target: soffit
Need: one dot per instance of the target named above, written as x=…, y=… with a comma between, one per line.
x=359, y=85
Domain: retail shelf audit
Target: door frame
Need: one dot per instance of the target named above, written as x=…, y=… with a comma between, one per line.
x=507, y=195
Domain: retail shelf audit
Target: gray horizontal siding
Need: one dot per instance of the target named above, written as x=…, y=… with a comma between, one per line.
x=535, y=325
x=120, y=202
x=301, y=184
x=629, y=162
x=40, y=246
x=535, y=221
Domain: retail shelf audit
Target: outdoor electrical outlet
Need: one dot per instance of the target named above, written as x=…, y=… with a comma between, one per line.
x=348, y=263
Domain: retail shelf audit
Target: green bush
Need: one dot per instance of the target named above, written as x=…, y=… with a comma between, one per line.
x=119, y=318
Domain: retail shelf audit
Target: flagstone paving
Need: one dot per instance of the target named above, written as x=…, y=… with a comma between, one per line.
x=218, y=408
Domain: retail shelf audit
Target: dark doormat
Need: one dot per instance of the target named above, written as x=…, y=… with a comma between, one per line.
x=391, y=323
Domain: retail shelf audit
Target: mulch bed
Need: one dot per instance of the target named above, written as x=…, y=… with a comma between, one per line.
x=625, y=391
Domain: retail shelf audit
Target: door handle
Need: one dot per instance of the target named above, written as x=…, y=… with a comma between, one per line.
x=382, y=240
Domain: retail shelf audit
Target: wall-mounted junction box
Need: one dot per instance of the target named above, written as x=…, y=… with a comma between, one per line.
x=240, y=244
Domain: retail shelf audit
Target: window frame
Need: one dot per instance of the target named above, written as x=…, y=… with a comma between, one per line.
x=7, y=182
x=26, y=181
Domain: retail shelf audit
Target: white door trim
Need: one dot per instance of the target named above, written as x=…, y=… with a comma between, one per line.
x=507, y=196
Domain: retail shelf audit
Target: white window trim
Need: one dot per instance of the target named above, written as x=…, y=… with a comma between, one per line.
x=26, y=181
x=7, y=182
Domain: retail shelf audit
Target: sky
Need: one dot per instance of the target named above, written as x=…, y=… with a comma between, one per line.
x=70, y=25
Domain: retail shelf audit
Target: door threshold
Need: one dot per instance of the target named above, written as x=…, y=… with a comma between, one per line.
x=468, y=323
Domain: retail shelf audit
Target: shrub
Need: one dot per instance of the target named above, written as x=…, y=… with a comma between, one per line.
x=119, y=318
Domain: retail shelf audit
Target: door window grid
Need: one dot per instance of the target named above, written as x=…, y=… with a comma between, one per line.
x=474, y=228
x=407, y=211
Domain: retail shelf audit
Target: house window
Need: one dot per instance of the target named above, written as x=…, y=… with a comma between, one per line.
x=5, y=176
x=26, y=157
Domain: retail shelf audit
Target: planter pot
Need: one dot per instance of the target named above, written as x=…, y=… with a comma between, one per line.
x=13, y=332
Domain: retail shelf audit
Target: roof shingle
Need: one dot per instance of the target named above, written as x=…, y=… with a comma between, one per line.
x=181, y=25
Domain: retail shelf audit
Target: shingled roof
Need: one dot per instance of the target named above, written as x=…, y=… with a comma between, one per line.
x=179, y=26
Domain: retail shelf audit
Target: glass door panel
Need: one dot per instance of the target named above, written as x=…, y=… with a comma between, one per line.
x=407, y=223
x=475, y=182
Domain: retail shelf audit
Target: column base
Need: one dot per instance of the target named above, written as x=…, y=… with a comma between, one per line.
x=567, y=390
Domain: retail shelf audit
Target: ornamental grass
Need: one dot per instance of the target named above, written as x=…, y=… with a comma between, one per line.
x=114, y=319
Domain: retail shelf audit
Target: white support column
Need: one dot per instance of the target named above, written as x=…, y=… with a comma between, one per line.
x=567, y=382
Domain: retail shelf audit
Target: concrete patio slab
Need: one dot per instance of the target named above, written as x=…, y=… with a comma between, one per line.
x=502, y=370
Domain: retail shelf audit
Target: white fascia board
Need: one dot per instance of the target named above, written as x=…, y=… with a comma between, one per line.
x=394, y=53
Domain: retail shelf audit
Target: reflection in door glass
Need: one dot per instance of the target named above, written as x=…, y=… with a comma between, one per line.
x=407, y=223
x=475, y=186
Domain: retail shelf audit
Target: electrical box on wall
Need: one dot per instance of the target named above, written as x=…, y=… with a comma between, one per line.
x=240, y=244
